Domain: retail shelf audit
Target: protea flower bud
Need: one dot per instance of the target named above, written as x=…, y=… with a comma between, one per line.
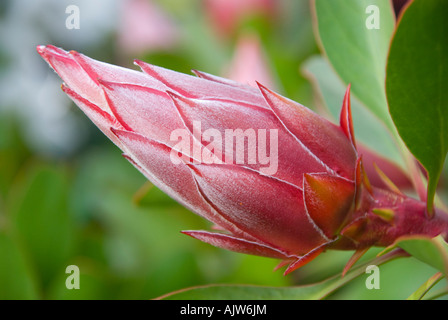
x=275, y=178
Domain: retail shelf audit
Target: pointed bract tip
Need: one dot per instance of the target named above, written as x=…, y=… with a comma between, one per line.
x=307, y=258
x=108, y=85
x=197, y=73
x=187, y=232
x=205, y=75
x=268, y=94
x=353, y=259
x=265, y=92
x=282, y=264
x=41, y=49
x=143, y=65
x=121, y=133
x=345, y=119
x=387, y=214
x=173, y=95
x=117, y=132
x=138, y=62
x=130, y=159
x=361, y=177
x=113, y=130
x=76, y=55
x=386, y=180
x=70, y=92
x=262, y=88
x=65, y=88
x=46, y=50
x=194, y=169
x=176, y=97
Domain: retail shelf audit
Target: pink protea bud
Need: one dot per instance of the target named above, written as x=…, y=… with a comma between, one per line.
x=275, y=178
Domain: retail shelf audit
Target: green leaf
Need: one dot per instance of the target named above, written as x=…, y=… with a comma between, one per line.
x=232, y=292
x=357, y=53
x=417, y=84
x=41, y=220
x=368, y=129
x=433, y=252
x=425, y=287
x=397, y=281
x=16, y=281
x=306, y=292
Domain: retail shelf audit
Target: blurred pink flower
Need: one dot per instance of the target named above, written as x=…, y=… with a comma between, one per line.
x=226, y=15
x=144, y=26
x=249, y=64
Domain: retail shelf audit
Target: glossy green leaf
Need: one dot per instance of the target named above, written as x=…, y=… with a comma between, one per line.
x=433, y=252
x=305, y=292
x=397, y=281
x=425, y=287
x=357, y=51
x=368, y=129
x=241, y=292
x=437, y=294
x=417, y=84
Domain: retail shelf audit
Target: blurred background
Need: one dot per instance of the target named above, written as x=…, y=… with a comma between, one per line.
x=67, y=197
